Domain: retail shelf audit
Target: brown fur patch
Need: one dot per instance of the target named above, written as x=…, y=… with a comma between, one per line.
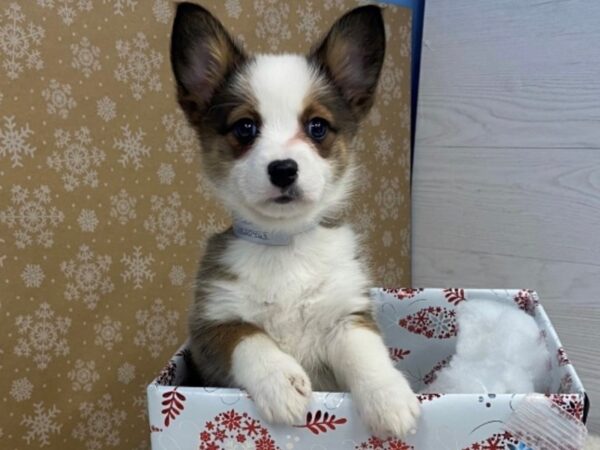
x=365, y=319
x=212, y=343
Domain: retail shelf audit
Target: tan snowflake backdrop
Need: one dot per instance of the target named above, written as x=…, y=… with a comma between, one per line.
x=103, y=212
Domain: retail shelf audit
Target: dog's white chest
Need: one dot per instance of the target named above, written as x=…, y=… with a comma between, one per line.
x=298, y=293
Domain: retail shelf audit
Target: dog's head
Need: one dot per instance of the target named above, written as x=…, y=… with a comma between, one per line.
x=275, y=130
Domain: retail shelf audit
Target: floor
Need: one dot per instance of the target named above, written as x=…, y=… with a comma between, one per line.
x=507, y=160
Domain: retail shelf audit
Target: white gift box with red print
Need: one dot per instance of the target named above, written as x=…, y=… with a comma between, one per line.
x=419, y=326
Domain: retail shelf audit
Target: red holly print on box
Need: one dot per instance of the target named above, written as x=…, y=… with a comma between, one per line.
x=561, y=356
x=526, y=300
x=321, y=422
x=389, y=444
x=231, y=429
x=455, y=296
x=428, y=397
x=398, y=354
x=403, y=293
x=432, y=374
x=571, y=403
x=495, y=442
x=566, y=384
x=173, y=405
x=433, y=322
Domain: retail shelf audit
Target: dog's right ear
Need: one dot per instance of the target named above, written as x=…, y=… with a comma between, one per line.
x=202, y=55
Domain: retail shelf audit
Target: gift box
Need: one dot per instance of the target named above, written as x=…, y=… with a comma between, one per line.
x=419, y=327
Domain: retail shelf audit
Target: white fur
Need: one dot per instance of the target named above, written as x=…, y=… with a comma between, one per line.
x=301, y=295
x=498, y=350
x=278, y=384
x=382, y=395
x=281, y=84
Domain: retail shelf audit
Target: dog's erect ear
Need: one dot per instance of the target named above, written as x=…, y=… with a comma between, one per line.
x=202, y=55
x=352, y=55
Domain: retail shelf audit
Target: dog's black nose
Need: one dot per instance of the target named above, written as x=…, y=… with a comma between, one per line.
x=283, y=172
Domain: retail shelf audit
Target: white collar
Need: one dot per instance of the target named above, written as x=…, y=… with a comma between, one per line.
x=249, y=232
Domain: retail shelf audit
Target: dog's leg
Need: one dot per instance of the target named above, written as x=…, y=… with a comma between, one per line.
x=381, y=393
x=276, y=382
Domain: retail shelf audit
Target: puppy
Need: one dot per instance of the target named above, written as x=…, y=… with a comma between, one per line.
x=282, y=304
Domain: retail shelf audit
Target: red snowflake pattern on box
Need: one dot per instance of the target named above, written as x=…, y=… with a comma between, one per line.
x=561, y=356
x=455, y=296
x=526, y=300
x=432, y=374
x=571, y=403
x=433, y=322
x=398, y=354
x=495, y=442
x=167, y=374
x=231, y=429
x=403, y=293
x=378, y=444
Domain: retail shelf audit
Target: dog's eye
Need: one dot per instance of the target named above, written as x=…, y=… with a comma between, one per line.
x=245, y=131
x=316, y=128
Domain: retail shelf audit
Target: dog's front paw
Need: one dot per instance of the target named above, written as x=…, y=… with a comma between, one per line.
x=283, y=395
x=389, y=410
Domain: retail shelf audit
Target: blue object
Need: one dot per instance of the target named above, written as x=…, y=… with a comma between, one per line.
x=418, y=11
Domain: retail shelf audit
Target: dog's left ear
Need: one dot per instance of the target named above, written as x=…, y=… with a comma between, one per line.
x=352, y=55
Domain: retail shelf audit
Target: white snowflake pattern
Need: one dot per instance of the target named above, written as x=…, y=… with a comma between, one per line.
x=21, y=389
x=375, y=117
x=17, y=42
x=137, y=267
x=139, y=65
x=202, y=186
x=339, y=4
x=181, y=137
x=67, y=9
x=210, y=225
x=41, y=424
x=119, y=6
x=122, y=207
x=42, y=335
x=157, y=328
x=387, y=239
x=32, y=216
x=108, y=333
x=132, y=147
x=126, y=373
x=161, y=10
x=166, y=173
x=390, y=82
x=273, y=27
x=87, y=220
x=365, y=221
x=88, y=276
x=59, y=99
x=83, y=375
x=32, y=275
x=233, y=8
x=390, y=274
x=106, y=109
x=404, y=242
x=309, y=21
x=384, y=147
x=389, y=198
x=86, y=57
x=168, y=220
x=99, y=424
x=177, y=275
x=13, y=141
x=78, y=159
